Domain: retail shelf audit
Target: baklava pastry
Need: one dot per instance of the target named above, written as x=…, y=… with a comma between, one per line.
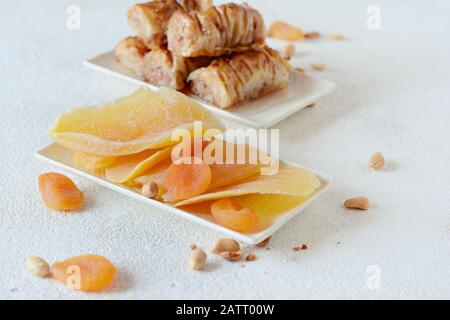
x=241, y=77
x=163, y=69
x=217, y=31
x=149, y=20
x=130, y=53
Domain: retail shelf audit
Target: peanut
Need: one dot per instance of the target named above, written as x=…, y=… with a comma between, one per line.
x=336, y=36
x=361, y=203
x=197, y=259
x=318, y=66
x=284, y=31
x=224, y=244
x=289, y=51
x=38, y=267
x=376, y=161
x=150, y=189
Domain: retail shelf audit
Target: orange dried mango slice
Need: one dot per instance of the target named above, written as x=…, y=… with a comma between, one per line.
x=230, y=214
x=126, y=168
x=141, y=121
x=87, y=272
x=59, y=192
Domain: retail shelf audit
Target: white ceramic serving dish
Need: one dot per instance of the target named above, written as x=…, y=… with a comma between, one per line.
x=260, y=113
x=61, y=157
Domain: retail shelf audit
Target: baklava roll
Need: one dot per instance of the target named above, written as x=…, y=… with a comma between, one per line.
x=130, y=53
x=217, y=31
x=163, y=69
x=149, y=20
x=241, y=77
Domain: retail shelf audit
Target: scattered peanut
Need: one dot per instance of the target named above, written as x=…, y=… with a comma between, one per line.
x=197, y=259
x=285, y=31
x=150, y=189
x=336, y=36
x=300, y=70
x=376, y=161
x=38, y=267
x=318, y=66
x=361, y=203
x=311, y=105
x=231, y=256
x=312, y=35
x=251, y=257
x=193, y=246
x=289, y=51
x=225, y=245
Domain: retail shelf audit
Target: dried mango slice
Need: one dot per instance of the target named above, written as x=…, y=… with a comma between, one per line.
x=141, y=121
x=155, y=174
x=87, y=272
x=91, y=162
x=126, y=168
x=231, y=214
x=289, y=181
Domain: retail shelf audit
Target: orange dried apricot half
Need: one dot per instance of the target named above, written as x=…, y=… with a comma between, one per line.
x=59, y=192
x=87, y=272
x=234, y=216
x=186, y=179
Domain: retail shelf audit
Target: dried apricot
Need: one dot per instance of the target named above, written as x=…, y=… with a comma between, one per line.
x=87, y=272
x=232, y=215
x=59, y=192
x=186, y=179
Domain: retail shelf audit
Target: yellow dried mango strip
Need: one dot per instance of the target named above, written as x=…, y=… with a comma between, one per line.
x=289, y=181
x=91, y=162
x=126, y=168
x=141, y=121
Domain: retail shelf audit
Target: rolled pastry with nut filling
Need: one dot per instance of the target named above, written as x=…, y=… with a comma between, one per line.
x=163, y=69
x=241, y=77
x=149, y=20
x=130, y=53
x=217, y=31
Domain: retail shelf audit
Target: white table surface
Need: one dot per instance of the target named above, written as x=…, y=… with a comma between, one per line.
x=393, y=96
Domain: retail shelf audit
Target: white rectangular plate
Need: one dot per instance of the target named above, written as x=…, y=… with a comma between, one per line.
x=260, y=113
x=62, y=158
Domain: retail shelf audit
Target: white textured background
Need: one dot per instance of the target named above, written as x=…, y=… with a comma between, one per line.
x=393, y=96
